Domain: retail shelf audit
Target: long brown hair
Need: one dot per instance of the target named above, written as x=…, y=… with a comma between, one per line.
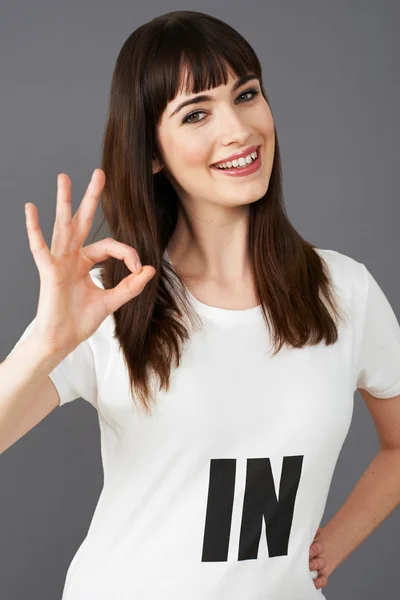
x=141, y=209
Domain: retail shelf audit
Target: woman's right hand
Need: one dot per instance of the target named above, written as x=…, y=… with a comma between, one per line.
x=71, y=306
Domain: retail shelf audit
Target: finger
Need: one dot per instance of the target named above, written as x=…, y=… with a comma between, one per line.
x=316, y=564
x=321, y=581
x=83, y=218
x=316, y=548
x=130, y=287
x=62, y=224
x=37, y=244
x=101, y=250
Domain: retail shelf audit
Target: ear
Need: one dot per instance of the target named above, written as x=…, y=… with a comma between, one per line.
x=156, y=166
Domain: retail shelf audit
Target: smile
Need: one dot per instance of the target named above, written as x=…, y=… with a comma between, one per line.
x=241, y=171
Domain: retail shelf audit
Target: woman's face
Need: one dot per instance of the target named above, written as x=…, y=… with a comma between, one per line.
x=231, y=121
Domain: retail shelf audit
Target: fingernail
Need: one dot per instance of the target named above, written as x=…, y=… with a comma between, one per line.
x=138, y=266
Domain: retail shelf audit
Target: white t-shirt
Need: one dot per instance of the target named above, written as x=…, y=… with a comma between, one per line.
x=220, y=493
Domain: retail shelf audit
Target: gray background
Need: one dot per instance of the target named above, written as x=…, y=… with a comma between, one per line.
x=330, y=73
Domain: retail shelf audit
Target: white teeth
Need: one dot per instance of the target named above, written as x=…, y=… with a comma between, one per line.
x=241, y=162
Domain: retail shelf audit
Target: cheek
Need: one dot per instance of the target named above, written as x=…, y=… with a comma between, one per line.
x=192, y=151
x=265, y=121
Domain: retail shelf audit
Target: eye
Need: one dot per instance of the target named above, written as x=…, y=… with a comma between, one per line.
x=196, y=112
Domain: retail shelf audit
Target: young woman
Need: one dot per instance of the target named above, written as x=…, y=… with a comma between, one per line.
x=223, y=370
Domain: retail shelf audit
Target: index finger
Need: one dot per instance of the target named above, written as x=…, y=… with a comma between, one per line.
x=83, y=218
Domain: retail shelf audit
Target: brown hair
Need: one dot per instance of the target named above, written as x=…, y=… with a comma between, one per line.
x=141, y=208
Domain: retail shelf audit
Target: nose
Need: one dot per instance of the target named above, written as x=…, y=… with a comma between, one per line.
x=232, y=127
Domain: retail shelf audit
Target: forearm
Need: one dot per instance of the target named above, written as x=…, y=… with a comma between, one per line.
x=374, y=497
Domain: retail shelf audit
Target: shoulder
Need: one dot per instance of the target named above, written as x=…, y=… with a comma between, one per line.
x=344, y=268
x=349, y=277
x=339, y=260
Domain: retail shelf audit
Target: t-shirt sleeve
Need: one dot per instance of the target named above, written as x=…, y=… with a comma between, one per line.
x=378, y=364
x=75, y=376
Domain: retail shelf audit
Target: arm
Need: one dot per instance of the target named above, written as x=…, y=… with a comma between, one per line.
x=27, y=394
x=377, y=492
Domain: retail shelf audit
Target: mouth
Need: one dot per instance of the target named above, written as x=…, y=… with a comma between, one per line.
x=248, y=169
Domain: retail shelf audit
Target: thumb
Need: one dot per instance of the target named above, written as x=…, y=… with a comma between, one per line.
x=130, y=287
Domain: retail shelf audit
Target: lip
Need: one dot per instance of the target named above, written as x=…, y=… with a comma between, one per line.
x=237, y=155
x=253, y=169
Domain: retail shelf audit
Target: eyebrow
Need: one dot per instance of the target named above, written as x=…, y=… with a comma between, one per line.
x=205, y=98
